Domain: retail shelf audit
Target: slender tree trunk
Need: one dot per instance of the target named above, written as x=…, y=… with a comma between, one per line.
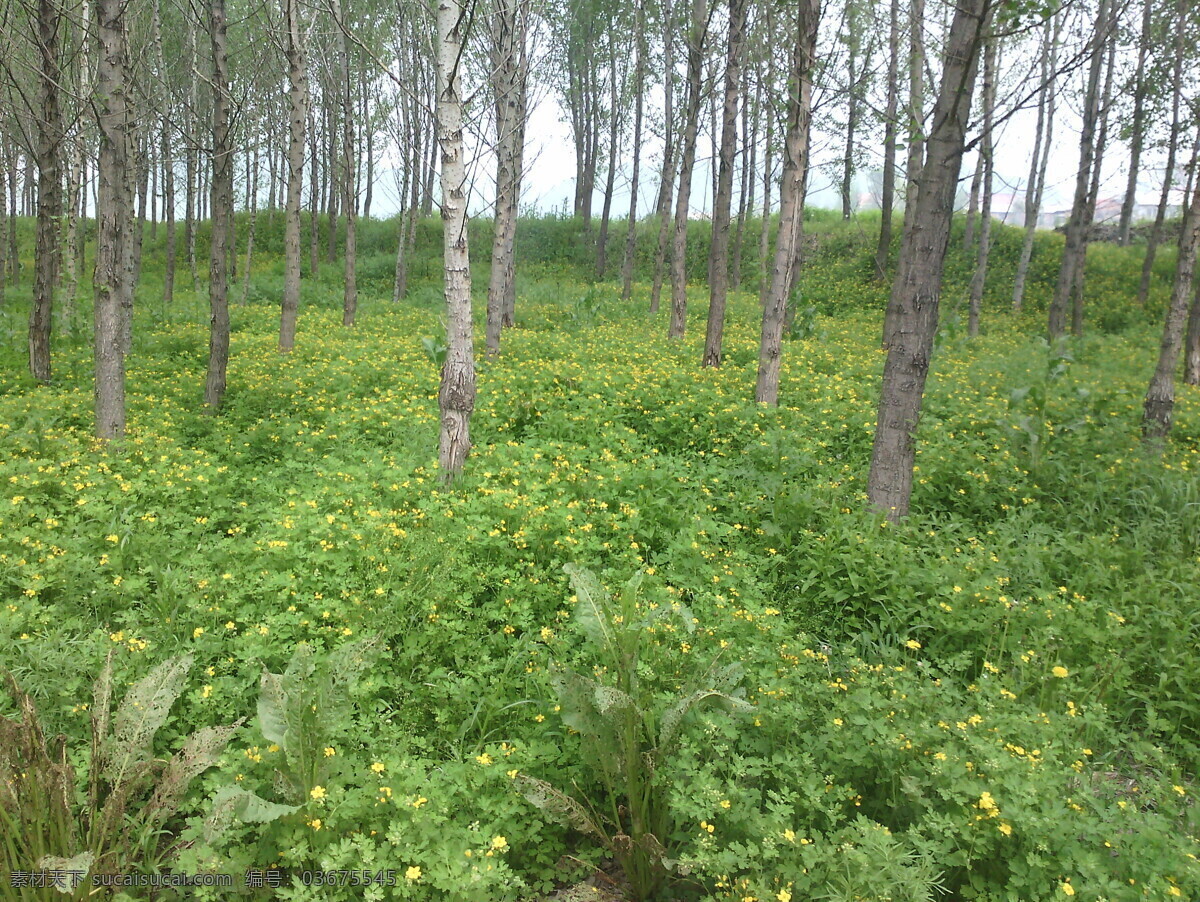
x=854, y=66
x=1169, y=173
x=987, y=164
x=112, y=219
x=614, y=149
x=3, y=222
x=667, y=178
x=764, y=238
x=1137, y=125
x=297, y=118
x=314, y=198
x=691, y=127
x=888, y=198
x=509, y=77
x=1159, y=406
x=917, y=287
x=1078, y=225
x=749, y=146
x=253, y=191
x=191, y=161
x=333, y=179
x=222, y=212
x=14, y=257
x=973, y=204
x=1191, y=349
x=916, y=103
x=1040, y=160
x=639, y=76
x=791, y=202
x=349, y=173
x=49, y=197
x=724, y=196
x=456, y=394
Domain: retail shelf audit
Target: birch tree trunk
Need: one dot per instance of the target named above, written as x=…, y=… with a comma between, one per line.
x=916, y=290
x=252, y=190
x=112, y=220
x=666, y=183
x=639, y=76
x=222, y=212
x=1078, y=224
x=349, y=172
x=986, y=162
x=49, y=196
x=456, y=394
x=1159, y=406
x=1040, y=160
x=691, y=128
x=719, y=287
x=298, y=116
x=888, y=198
x=509, y=79
x=791, y=201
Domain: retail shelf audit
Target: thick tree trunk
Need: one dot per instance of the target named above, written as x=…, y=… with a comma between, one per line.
x=1040, y=160
x=917, y=287
x=888, y=198
x=456, y=394
x=639, y=75
x=1079, y=223
x=719, y=286
x=297, y=117
x=112, y=219
x=791, y=202
x=49, y=197
x=987, y=164
x=222, y=212
x=691, y=127
x=916, y=104
x=1159, y=406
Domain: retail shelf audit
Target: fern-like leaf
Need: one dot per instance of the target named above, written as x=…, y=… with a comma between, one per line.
x=591, y=610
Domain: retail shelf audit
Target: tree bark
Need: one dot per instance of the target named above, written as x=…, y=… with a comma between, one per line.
x=1040, y=160
x=314, y=195
x=349, y=173
x=1191, y=347
x=719, y=287
x=191, y=161
x=510, y=67
x=639, y=76
x=252, y=190
x=791, y=201
x=888, y=198
x=1078, y=225
x=916, y=103
x=1137, y=125
x=222, y=212
x=987, y=164
x=916, y=290
x=691, y=127
x=746, y=188
x=614, y=150
x=456, y=393
x=112, y=220
x=666, y=183
x=297, y=118
x=49, y=197
x=1159, y=406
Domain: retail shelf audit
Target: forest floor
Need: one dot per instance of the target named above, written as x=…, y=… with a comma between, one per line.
x=996, y=699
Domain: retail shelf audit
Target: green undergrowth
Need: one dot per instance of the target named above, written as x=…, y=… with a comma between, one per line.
x=995, y=700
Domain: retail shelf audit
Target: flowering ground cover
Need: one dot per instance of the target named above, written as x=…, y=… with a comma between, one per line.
x=995, y=700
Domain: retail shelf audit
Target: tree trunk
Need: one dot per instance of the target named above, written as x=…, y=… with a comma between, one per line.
x=3, y=222
x=749, y=146
x=1159, y=407
x=112, y=219
x=1169, y=173
x=764, y=238
x=916, y=104
x=49, y=197
x=691, y=127
x=252, y=190
x=297, y=118
x=719, y=286
x=1040, y=160
x=509, y=78
x=314, y=196
x=639, y=76
x=888, y=198
x=349, y=172
x=222, y=212
x=973, y=204
x=614, y=149
x=987, y=164
x=456, y=394
x=1137, y=125
x=666, y=183
x=1191, y=350
x=191, y=161
x=791, y=201
x=917, y=287
x=1078, y=225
